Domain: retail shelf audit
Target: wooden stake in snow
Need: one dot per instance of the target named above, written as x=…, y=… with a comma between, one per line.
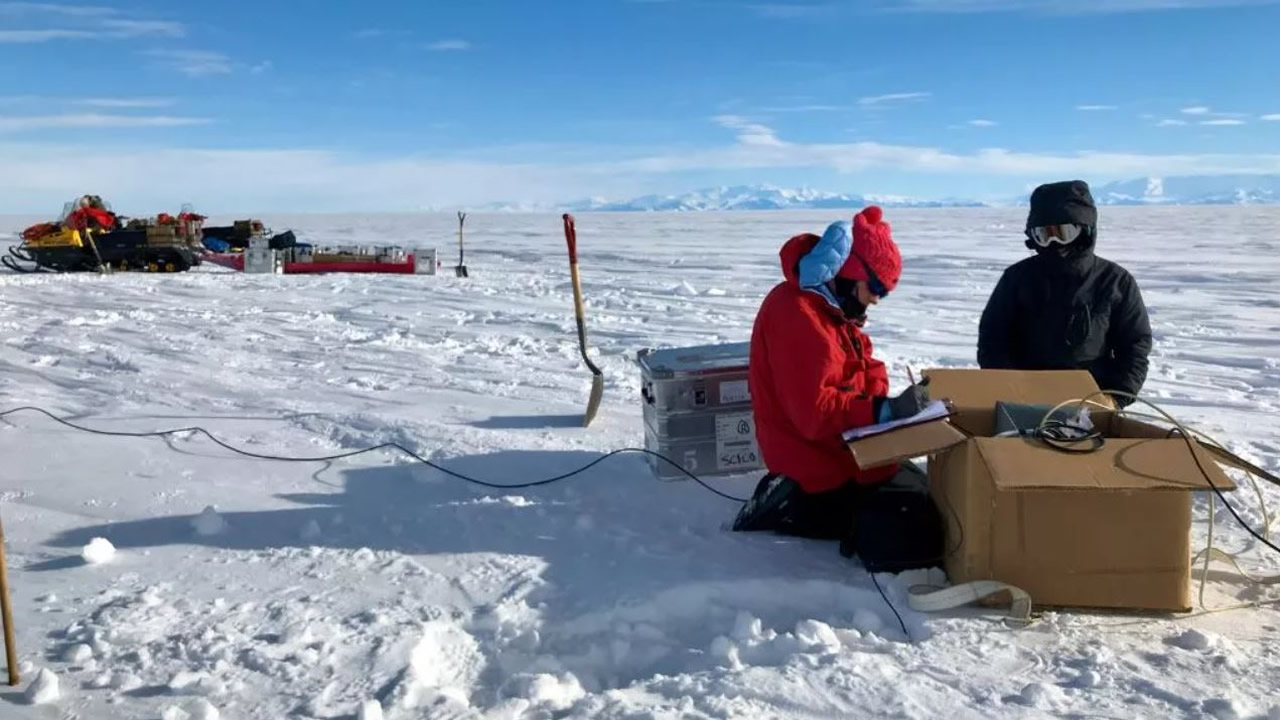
x=6, y=612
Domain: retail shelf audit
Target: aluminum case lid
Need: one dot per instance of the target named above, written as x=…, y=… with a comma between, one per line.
x=695, y=360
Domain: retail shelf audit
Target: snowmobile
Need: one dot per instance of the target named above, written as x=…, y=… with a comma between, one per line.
x=89, y=237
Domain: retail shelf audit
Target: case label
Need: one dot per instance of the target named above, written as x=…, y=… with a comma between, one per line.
x=734, y=392
x=736, y=442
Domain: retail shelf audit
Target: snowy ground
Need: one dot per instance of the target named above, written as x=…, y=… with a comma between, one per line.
x=314, y=588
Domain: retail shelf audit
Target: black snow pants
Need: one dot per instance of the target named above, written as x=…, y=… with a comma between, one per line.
x=891, y=527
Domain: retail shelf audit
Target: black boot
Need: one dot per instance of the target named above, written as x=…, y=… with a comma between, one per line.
x=764, y=511
x=780, y=505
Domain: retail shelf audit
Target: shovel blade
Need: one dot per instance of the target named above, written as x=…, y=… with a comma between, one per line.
x=461, y=271
x=593, y=402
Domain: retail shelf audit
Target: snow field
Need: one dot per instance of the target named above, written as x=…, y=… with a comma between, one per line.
x=172, y=579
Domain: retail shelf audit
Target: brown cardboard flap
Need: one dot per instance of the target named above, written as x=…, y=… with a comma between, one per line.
x=1121, y=464
x=906, y=442
x=970, y=389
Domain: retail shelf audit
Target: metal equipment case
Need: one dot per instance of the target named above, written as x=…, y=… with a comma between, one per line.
x=697, y=410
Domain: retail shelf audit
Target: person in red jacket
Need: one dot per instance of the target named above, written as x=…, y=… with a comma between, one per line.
x=813, y=374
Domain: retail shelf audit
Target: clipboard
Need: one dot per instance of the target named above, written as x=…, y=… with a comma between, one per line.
x=936, y=410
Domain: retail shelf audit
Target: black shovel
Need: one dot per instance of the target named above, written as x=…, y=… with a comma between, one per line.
x=461, y=269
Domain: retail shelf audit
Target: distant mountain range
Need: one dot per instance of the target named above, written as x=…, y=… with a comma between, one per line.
x=758, y=197
x=1193, y=190
x=1182, y=190
x=734, y=198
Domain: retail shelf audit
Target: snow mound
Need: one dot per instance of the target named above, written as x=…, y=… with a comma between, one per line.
x=370, y=710
x=44, y=689
x=209, y=523
x=199, y=709
x=98, y=551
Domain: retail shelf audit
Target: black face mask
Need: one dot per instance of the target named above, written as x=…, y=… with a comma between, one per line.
x=847, y=295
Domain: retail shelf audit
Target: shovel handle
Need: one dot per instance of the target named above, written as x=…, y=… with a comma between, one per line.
x=571, y=237
x=6, y=613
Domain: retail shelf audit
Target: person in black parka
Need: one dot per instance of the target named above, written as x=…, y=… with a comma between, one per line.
x=1065, y=307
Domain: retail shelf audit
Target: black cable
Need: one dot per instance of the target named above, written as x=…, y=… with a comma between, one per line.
x=901, y=623
x=1231, y=458
x=1064, y=437
x=1054, y=432
x=1060, y=436
x=353, y=453
x=428, y=463
x=1191, y=448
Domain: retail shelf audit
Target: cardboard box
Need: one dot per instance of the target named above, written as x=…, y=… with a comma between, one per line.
x=1106, y=529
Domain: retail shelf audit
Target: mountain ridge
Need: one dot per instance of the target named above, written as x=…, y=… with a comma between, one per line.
x=1239, y=189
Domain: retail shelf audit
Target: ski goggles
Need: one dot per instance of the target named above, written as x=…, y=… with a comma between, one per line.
x=1046, y=235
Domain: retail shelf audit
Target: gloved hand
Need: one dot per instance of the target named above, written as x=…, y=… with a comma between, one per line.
x=909, y=402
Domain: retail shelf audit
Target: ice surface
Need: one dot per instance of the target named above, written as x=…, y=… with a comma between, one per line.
x=316, y=589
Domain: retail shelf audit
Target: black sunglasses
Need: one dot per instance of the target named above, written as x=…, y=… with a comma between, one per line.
x=876, y=287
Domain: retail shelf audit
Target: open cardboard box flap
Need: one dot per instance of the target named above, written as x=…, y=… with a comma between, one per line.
x=972, y=390
x=904, y=443
x=1120, y=464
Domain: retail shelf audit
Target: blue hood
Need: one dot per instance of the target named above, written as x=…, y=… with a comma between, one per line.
x=821, y=264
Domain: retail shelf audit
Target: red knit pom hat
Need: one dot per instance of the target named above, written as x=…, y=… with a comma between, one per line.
x=874, y=249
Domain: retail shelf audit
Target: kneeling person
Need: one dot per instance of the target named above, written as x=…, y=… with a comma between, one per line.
x=813, y=375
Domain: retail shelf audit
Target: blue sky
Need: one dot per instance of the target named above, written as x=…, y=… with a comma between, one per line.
x=398, y=105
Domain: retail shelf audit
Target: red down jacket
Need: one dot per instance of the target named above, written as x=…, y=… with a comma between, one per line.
x=812, y=376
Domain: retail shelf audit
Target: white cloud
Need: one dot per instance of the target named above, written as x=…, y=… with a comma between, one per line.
x=369, y=33
x=138, y=28
x=749, y=133
x=447, y=45
x=876, y=100
x=19, y=123
x=1169, y=122
x=141, y=179
x=802, y=108
x=864, y=156
x=123, y=103
x=13, y=37
x=86, y=23
x=983, y=123
x=1096, y=108
x=35, y=175
x=194, y=63
x=1224, y=118
x=1272, y=118
x=25, y=8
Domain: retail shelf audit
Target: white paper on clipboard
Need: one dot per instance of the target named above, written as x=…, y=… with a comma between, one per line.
x=932, y=411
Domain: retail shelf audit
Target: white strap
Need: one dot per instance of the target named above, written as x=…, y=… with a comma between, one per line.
x=930, y=598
